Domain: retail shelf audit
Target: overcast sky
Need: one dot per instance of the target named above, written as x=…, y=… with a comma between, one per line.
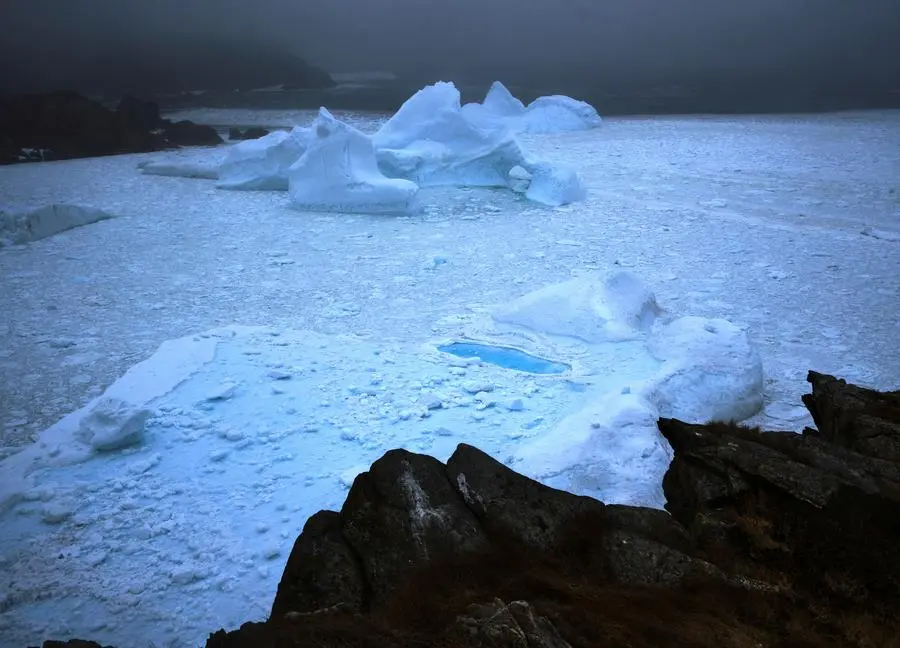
x=598, y=38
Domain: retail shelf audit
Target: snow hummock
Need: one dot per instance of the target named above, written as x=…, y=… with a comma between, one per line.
x=556, y=114
x=26, y=224
x=588, y=308
x=339, y=172
x=263, y=164
x=431, y=142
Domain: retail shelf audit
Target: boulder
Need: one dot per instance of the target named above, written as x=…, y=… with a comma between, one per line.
x=187, y=133
x=254, y=132
x=854, y=417
x=322, y=571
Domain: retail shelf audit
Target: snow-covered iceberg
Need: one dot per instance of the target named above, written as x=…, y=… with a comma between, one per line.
x=431, y=142
x=263, y=164
x=26, y=224
x=339, y=172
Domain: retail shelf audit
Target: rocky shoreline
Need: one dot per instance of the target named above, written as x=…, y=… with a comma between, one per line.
x=770, y=539
x=67, y=125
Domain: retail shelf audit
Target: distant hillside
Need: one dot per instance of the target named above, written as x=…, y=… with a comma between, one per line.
x=219, y=66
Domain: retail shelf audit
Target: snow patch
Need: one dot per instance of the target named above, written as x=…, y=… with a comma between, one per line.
x=18, y=226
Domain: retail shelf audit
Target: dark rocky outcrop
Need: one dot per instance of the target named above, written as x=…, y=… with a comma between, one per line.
x=66, y=125
x=254, y=132
x=771, y=539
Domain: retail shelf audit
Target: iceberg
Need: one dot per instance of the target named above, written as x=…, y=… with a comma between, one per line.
x=339, y=172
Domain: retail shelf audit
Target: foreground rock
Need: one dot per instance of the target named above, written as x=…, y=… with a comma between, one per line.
x=66, y=125
x=772, y=539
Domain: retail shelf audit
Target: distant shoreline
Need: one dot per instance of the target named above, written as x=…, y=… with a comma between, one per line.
x=714, y=99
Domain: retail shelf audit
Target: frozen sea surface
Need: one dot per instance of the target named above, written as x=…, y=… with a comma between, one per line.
x=756, y=220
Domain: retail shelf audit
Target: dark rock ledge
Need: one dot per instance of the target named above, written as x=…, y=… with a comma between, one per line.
x=67, y=125
x=771, y=539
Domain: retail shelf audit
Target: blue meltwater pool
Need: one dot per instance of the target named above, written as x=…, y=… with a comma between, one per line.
x=505, y=357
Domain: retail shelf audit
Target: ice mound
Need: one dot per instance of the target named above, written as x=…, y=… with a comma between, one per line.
x=432, y=141
x=557, y=114
x=554, y=185
x=23, y=225
x=711, y=371
x=585, y=308
x=339, y=172
x=611, y=447
x=113, y=424
x=263, y=164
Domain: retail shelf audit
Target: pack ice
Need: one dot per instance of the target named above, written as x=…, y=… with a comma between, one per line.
x=339, y=172
x=263, y=164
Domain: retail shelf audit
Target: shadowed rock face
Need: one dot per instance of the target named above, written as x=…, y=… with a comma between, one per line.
x=772, y=538
x=66, y=125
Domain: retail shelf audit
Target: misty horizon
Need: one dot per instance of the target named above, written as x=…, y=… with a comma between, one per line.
x=615, y=42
